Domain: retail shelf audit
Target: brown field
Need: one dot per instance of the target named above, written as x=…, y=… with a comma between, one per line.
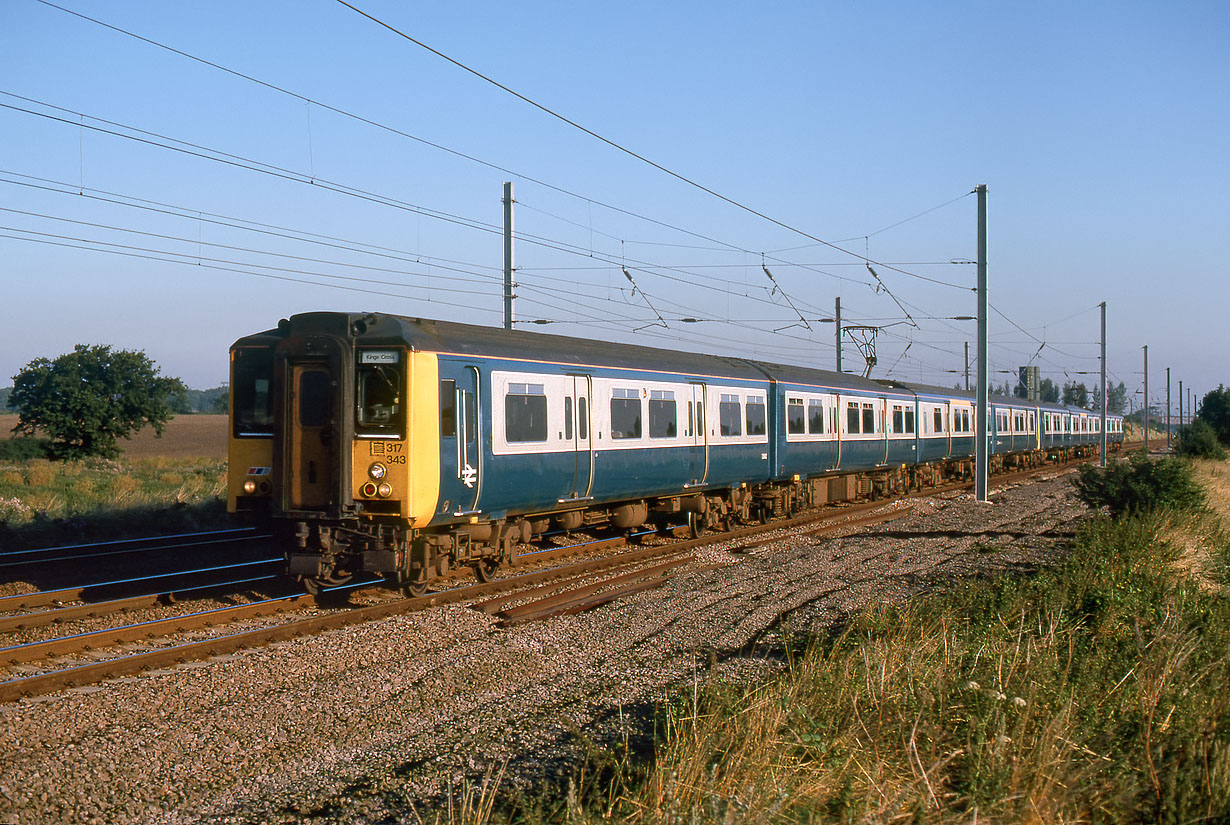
x=185, y=436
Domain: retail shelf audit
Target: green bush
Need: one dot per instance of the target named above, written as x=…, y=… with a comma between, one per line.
x=1140, y=485
x=22, y=448
x=1199, y=440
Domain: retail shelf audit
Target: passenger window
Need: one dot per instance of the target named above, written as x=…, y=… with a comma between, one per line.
x=909, y=422
x=898, y=420
x=568, y=417
x=625, y=413
x=815, y=416
x=869, y=418
x=525, y=413
x=663, y=422
x=755, y=415
x=583, y=419
x=728, y=414
x=796, y=421
x=852, y=418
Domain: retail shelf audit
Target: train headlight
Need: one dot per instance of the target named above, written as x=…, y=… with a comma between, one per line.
x=377, y=471
x=385, y=490
x=249, y=487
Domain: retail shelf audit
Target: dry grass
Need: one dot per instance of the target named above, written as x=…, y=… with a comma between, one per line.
x=185, y=436
x=1095, y=693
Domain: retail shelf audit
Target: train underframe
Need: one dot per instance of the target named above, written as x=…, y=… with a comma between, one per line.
x=325, y=554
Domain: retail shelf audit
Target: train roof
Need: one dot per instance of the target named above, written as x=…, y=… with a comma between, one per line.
x=469, y=339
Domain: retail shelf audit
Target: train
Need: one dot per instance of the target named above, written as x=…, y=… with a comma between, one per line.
x=407, y=447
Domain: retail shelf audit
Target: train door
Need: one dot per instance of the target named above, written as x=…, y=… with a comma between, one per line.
x=882, y=415
x=698, y=452
x=313, y=444
x=461, y=440
x=578, y=409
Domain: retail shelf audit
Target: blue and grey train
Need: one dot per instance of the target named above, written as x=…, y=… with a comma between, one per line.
x=407, y=447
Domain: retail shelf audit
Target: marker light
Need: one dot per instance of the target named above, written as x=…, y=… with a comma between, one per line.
x=385, y=490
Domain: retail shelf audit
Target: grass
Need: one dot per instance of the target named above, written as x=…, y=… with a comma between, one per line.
x=169, y=484
x=1095, y=691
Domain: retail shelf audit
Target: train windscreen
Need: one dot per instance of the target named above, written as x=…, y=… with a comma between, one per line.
x=378, y=394
x=252, y=391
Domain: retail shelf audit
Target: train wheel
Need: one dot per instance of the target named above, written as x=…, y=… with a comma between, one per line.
x=695, y=525
x=414, y=589
x=315, y=586
x=485, y=569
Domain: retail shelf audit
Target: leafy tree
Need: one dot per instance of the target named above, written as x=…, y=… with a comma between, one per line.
x=86, y=399
x=1215, y=410
x=1047, y=391
x=1075, y=394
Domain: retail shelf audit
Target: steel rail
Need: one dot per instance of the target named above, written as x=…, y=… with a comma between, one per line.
x=26, y=621
x=42, y=598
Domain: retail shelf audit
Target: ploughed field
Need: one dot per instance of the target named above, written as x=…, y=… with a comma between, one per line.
x=185, y=436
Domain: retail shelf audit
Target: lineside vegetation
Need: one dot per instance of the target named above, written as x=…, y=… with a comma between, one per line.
x=46, y=502
x=1097, y=690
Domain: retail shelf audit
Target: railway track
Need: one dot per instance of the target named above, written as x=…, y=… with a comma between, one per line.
x=99, y=549
x=514, y=599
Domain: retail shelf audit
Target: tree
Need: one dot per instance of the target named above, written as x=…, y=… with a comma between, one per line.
x=1116, y=398
x=1047, y=391
x=86, y=399
x=1215, y=409
x=1075, y=394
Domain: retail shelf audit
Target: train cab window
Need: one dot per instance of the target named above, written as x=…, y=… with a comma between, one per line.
x=448, y=408
x=568, y=417
x=663, y=417
x=729, y=418
x=852, y=418
x=252, y=391
x=378, y=395
x=625, y=413
x=525, y=413
x=869, y=418
x=796, y=419
x=756, y=415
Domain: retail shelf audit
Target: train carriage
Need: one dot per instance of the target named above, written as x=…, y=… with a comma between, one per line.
x=404, y=446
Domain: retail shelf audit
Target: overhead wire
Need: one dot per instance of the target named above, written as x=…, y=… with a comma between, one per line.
x=628, y=151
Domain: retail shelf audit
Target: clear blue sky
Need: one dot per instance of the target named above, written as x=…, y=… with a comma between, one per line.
x=1099, y=128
